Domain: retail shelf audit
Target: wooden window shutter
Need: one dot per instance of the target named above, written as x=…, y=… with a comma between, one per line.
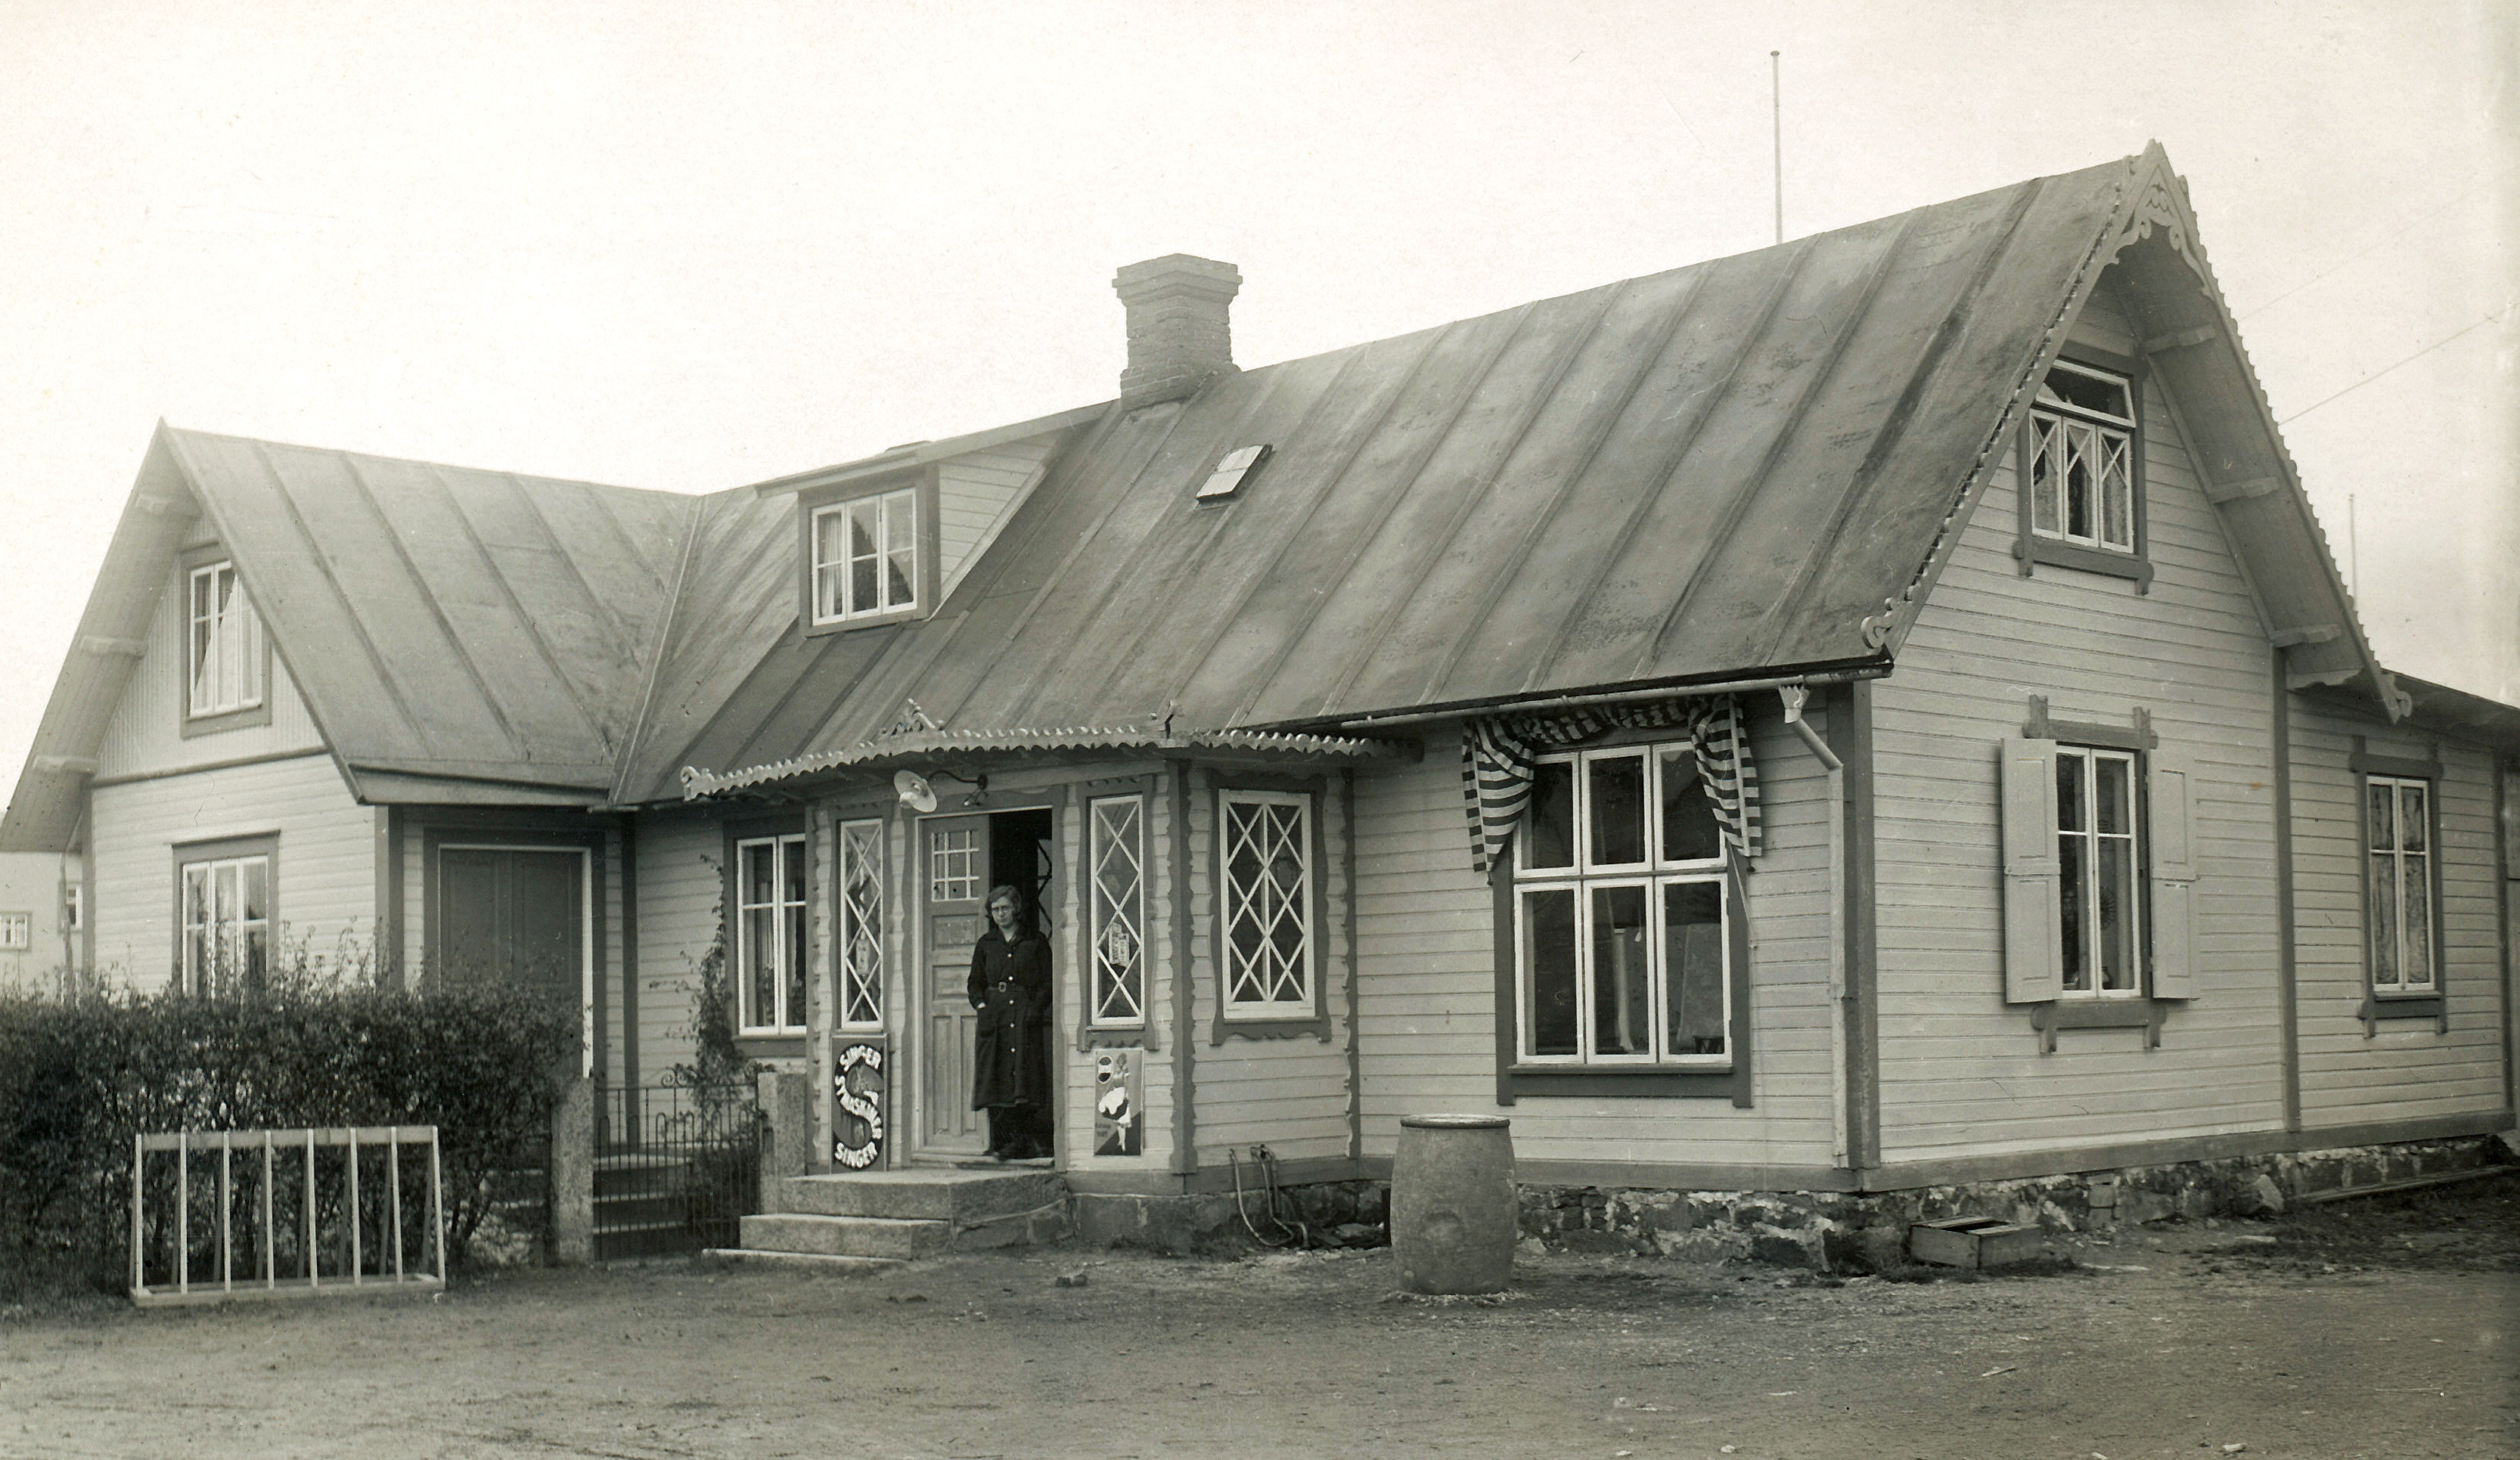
x=2032, y=958
x=2171, y=784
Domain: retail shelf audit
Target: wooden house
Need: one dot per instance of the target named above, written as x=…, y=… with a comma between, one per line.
x=1866, y=717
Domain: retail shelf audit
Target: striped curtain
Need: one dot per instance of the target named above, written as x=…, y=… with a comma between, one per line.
x=1498, y=753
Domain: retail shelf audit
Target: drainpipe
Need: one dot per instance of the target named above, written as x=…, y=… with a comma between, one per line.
x=1795, y=697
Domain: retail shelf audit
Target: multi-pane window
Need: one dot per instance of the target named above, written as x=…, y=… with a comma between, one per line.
x=2100, y=867
x=227, y=925
x=866, y=557
x=1265, y=903
x=861, y=929
x=954, y=864
x=2397, y=815
x=224, y=649
x=1620, y=909
x=1119, y=910
x=2082, y=459
x=17, y=931
x=770, y=933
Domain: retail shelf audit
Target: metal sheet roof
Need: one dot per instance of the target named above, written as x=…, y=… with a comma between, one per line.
x=1719, y=471
x=1750, y=466
x=456, y=634
x=444, y=620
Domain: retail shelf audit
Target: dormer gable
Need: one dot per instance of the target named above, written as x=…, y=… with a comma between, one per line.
x=886, y=539
x=2149, y=312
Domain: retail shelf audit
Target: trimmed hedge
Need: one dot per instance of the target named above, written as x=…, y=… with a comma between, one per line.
x=78, y=1079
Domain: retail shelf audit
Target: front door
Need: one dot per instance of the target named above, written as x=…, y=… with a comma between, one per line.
x=955, y=855
x=517, y=915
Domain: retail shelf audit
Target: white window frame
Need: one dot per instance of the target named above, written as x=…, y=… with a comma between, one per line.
x=227, y=634
x=787, y=950
x=893, y=517
x=1117, y=928
x=17, y=932
x=1234, y=902
x=2062, y=435
x=2404, y=865
x=859, y=891
x=2092, y=840
x=954, y=864
x=1583, y=876
x=216, y=932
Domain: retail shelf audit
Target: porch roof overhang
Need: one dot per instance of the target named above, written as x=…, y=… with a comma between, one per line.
x=889, y=753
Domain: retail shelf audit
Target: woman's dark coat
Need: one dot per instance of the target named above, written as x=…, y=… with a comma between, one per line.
x=1011, y=988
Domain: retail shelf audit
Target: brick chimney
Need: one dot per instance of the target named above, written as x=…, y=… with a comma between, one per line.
x=1178, y=339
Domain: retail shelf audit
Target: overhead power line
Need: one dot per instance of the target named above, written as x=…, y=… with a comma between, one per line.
x=2384, y=370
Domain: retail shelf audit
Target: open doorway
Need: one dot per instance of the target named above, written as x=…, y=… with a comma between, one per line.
x=962, y=857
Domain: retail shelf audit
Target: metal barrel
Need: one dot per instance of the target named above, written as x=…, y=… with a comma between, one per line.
x=1453, y=1202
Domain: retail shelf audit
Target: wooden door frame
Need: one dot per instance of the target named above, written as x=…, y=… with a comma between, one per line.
x=913, y=1079
x=589, y=852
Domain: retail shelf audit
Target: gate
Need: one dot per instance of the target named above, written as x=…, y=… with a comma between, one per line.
x=676, y=1167
x=219, y=1215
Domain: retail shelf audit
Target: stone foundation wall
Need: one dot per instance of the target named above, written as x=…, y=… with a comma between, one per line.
x=1828, y=1231
x=1844, y=1231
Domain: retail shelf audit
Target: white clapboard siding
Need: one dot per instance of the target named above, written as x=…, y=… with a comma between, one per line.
x=1289, y=1095
x=680, y=857
x=145, y=734
x=2411, y=1069
x=976, y=492
x=1426, y=944
x=1961, y=1072
x=323, y=879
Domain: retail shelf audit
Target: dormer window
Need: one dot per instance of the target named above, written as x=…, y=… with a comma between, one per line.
x=224, y=656
x=865, y=558
x=2081, y=472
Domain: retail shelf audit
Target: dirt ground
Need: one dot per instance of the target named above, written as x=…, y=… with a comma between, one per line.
x=2382, y=1327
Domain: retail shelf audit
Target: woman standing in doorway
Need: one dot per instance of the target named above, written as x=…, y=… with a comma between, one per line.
x=1011, y=1066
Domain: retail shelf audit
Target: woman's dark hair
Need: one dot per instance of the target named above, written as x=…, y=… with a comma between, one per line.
x=1016, y=894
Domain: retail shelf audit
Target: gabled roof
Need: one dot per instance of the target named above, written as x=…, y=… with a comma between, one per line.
x=1751, y=467
x=1747, y=469
x=456, y=634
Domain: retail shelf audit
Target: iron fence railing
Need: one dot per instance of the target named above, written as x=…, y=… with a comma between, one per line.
x=676, y=1167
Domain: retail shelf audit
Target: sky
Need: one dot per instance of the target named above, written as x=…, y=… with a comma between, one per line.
x=693, y=245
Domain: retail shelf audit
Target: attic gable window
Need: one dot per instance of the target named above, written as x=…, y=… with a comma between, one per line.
x=865, y=558
x=2081, y=472
x=226, y=659
x=2082, y=459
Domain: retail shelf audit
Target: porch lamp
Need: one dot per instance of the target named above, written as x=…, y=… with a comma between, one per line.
x=919, y=795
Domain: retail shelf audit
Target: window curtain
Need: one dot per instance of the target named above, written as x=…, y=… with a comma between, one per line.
x=1498, y=753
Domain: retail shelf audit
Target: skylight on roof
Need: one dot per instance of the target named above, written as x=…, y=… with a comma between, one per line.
x=1232, y=472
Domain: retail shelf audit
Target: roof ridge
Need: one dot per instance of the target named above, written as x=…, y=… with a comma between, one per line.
x=402, y=461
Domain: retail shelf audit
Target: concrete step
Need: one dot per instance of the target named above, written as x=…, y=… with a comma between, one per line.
x=964, y=1197
x=844, y=1236
x=802, y=1261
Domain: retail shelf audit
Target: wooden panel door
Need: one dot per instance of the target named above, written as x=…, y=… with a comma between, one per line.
x=954, y=859
x=515, y=915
